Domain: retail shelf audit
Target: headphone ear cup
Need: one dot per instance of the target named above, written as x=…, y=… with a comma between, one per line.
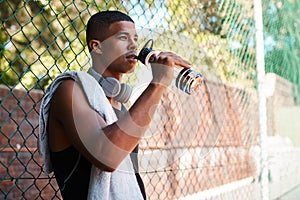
x=111, y=86
x=124, y=93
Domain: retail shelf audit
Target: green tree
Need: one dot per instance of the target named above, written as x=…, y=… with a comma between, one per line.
x=282, y=40
x=224, y=30
x=41, y=39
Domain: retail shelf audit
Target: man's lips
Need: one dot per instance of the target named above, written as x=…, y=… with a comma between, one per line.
x=132, y=57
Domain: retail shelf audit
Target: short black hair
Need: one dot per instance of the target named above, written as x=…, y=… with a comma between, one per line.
x=99, y=23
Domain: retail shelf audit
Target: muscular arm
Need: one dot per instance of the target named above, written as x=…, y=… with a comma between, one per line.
x=107, y=145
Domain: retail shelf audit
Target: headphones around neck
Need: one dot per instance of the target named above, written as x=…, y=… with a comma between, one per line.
x=112, y=87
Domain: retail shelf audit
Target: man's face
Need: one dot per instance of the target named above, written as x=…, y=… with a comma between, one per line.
x=120, y=49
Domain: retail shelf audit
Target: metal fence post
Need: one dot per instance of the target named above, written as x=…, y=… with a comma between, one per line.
x=260, y=68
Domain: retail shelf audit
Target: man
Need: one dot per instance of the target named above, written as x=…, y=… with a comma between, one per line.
x=88, y=145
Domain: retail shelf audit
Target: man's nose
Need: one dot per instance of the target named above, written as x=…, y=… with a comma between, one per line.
x=133, y=44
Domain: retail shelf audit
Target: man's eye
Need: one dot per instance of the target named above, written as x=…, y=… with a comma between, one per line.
x=123, y=37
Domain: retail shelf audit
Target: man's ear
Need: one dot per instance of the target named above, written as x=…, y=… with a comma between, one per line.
x=95, y=46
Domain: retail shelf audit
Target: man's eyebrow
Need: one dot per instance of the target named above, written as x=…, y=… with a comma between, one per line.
x=125, y=33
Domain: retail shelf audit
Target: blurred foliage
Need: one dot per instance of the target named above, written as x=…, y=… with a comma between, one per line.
x=282, y=40
x=223, y=33
x=40, y=39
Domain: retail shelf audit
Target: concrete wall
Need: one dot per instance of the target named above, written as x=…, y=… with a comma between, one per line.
x=284, y=136
x=280, y=94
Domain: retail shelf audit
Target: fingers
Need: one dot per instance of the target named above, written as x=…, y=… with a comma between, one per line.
x=169, y=59
x=162, y=64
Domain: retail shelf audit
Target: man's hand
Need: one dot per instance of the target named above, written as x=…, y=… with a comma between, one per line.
x=163, y=64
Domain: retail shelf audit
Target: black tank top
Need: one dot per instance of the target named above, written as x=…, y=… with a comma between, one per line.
x=72, y=171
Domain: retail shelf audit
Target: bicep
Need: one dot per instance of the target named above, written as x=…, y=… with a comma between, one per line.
x=81, y=124
x=103, y=145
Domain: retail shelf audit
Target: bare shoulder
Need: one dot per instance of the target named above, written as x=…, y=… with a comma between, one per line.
x=66, y=97
x=60, y=125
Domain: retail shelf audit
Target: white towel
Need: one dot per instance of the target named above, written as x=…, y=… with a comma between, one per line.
x=118, y=185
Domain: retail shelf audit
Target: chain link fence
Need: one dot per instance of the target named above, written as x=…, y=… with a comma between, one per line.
x=200, y=147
